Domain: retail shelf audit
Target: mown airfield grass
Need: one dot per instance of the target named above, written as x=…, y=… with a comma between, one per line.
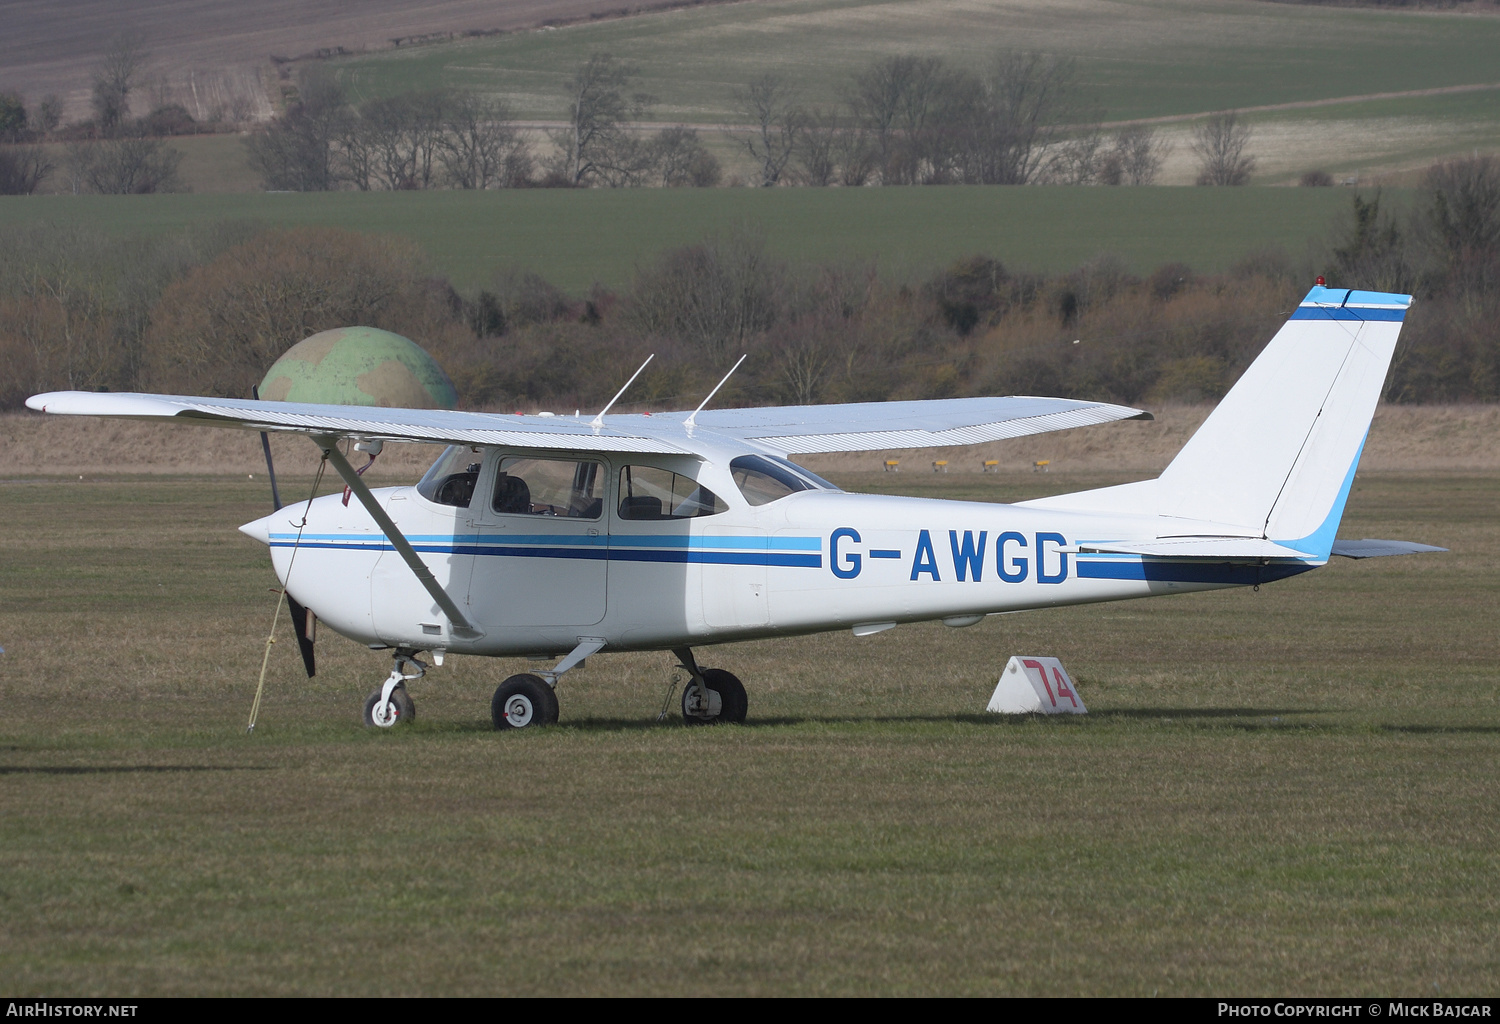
x=1283, y=792
x=576, y=238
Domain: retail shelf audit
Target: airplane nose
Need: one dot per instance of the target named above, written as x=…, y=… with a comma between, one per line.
x=259, y=530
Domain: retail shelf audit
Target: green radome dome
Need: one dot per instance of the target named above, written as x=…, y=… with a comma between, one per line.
x=359, y=366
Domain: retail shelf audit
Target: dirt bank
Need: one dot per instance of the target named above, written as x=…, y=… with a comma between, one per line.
x=1403, y=437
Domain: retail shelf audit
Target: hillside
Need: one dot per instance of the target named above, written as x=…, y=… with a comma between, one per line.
x=1355, y=91
x=214, y=51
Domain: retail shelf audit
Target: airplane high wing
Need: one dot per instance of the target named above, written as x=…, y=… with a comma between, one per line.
x=786, y=430
x=552, y=536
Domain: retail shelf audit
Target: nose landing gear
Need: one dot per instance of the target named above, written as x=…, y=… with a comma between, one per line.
x=391, y=705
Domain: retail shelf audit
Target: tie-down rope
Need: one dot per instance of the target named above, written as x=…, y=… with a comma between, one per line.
x=280, y=601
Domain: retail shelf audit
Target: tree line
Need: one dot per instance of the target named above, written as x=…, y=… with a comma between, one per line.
x=207, y=311
x=904, y=120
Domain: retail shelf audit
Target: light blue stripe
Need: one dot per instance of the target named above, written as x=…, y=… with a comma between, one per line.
x=549, y=540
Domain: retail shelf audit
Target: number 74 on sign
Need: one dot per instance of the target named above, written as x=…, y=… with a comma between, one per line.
x=1031, y=685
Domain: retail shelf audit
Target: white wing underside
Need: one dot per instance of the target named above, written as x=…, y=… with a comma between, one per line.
x=791, y=430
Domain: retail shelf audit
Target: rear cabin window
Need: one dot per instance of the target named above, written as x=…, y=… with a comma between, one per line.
x=763, y=480
x=452, y=477
x=648, y=493
x=549, y=487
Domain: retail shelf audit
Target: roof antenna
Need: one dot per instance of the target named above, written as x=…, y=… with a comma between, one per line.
x=692, y=421
x=598, y=421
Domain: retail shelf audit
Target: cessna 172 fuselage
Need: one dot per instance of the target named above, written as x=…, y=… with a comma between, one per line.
x=555, y=536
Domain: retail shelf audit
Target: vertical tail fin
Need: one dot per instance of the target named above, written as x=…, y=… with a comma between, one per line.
x=1277, y=456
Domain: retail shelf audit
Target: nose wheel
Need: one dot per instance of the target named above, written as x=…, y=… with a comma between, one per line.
x=383, y=714
x=390, y=705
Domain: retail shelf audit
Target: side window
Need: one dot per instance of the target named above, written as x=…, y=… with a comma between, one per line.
x=452, y=477
x=648, y=493
x=763, y=480
x=549, y=487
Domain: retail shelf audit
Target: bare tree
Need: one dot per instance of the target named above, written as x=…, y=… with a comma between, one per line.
x=1028, y=97
x=481, y=146
x=1459, y=217
x=680, y=158
x=815, y=153
x=714, y=295
x=1138, y=154
x=117, y=73
x=402, y=134
x=597, y=111
x=1220, y=144
x=49, y=113
x=23, y=169
x=299, y=151
x=128, y=165
x=854, y=155
x=770, y=103
x=882, y=101
x=626, y=160
x=1082, y=160
x=899, y=100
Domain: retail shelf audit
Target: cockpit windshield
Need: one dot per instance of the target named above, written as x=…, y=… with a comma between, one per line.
x=452, y=477
x=763, y=478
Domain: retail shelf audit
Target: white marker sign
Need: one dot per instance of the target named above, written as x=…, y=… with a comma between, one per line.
x=1036, y=685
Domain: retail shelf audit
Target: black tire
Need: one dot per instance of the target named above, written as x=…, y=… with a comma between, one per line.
x=523, y=702
x=406, y=708
x=733, y=704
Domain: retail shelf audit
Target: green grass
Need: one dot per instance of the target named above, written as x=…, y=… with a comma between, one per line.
x=1144, y=58
x=575, y=238
x=1284, y=792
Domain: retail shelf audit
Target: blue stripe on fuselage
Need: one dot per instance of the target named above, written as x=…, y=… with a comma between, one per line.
x=1165, y=571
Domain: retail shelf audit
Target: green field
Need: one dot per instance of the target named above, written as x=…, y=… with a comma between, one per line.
x=1142, y=58
x=1135, y=59
x=575, y=238
x=1285, y=792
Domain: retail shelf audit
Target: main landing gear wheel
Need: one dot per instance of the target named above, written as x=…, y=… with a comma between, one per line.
x=721, y=698
x=401, y=708
x=523, y=701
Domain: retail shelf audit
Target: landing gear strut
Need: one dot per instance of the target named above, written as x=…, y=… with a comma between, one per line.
x=712, y=695
x=390, y=704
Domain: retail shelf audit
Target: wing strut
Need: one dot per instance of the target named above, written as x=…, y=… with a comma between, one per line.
x=462, y=627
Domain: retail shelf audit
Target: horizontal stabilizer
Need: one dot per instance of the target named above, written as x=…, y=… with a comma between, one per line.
x=1219, y=549
x=1378, y=548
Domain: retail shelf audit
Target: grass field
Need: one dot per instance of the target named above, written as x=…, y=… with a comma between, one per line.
x=1284, y=792
x=575, y=238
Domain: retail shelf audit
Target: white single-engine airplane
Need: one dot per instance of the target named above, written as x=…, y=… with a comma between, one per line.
x=556, y=537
